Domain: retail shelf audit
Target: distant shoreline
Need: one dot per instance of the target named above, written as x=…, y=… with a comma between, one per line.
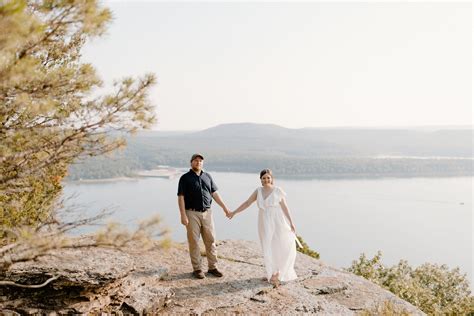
x=103, y=180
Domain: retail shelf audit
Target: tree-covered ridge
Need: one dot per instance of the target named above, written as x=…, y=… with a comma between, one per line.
x=297, y=153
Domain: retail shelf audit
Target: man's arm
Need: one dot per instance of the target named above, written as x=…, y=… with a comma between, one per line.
x=181, y=205
x=221, y=203
x=182, y=210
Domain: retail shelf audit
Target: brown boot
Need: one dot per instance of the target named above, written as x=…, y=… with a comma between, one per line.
x=198, y=274
x=215, y=272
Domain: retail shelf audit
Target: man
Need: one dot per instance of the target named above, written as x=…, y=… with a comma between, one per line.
x=196, y=190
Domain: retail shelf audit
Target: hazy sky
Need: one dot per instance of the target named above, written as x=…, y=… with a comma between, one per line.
x=308, y=64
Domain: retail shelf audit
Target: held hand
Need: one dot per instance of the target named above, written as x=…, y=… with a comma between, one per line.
x=230, y=215
x=226, y=211
x=184, y=220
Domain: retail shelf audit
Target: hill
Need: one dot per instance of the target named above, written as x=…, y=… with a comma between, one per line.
x=307, y=152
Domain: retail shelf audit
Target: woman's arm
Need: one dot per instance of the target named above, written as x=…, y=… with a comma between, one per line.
x=246, y=204
x=286, y=211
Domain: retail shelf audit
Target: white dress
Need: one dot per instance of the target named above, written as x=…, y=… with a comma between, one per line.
x=276, y=238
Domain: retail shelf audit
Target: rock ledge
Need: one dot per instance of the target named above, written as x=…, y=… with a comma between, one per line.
x=102, y=280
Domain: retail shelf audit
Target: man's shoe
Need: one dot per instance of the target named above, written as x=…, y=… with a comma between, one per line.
x=215, y=272
x=198, y=274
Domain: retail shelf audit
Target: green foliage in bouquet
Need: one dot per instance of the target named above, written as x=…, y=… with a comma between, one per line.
x=306, y=250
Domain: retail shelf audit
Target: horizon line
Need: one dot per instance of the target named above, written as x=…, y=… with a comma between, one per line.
x=450, y=126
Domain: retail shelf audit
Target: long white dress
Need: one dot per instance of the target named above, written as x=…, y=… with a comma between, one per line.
x=276, y=238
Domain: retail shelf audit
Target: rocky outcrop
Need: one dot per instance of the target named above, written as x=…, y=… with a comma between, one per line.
x=101, y=280
x=88, y=281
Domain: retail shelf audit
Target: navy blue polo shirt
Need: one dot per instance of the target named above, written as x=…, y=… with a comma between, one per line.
x=197, y=190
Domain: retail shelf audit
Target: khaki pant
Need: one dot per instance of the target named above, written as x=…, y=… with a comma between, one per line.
x=201, y=223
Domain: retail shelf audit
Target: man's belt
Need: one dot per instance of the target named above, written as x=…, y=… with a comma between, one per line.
x=199, y=210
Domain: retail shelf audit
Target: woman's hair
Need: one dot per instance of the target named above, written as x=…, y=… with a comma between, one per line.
x=266, y=171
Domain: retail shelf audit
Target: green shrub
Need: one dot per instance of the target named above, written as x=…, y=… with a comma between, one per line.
x=435, y=289
x=386, y=309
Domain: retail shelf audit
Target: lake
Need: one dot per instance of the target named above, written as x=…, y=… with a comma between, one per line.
x=417, y=219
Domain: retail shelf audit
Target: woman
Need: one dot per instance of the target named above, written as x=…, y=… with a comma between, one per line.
x=276, y=229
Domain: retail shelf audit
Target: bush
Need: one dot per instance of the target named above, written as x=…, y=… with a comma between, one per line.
x=435, y=289
x=386, y=309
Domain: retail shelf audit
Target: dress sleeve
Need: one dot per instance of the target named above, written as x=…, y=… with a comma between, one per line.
x=281, y=194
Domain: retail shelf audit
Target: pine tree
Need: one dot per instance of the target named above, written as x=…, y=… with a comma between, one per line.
x=51, y=113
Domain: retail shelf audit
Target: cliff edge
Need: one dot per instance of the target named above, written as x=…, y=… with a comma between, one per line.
x=160, y=281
